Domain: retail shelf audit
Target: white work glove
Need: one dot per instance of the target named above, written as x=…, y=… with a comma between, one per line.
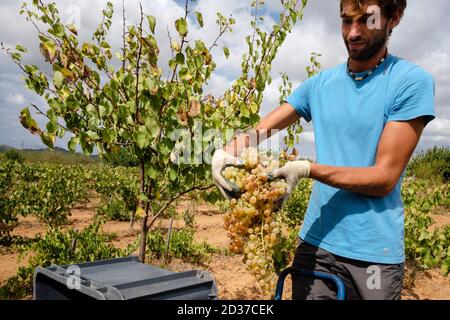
x=292, y=172
x=220, y=160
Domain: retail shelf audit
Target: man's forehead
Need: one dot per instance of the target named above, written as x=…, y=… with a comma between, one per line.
x=356, y=9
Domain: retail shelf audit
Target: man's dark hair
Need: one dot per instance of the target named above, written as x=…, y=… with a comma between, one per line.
x=388, y=7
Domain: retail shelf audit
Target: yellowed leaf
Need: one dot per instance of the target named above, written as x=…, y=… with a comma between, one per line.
x=194, y=108
x=140, y=212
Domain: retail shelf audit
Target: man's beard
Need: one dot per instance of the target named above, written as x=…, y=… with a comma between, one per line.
x=371, y=48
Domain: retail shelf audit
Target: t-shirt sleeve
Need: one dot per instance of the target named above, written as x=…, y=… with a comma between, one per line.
x=414, y=98
x=300, y=98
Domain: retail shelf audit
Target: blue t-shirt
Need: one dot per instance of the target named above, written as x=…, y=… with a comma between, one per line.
x=348, y=119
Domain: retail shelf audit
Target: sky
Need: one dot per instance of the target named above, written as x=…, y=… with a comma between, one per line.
x=422, y=37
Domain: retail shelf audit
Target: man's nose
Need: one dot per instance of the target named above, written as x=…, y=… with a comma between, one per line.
x=355, y=30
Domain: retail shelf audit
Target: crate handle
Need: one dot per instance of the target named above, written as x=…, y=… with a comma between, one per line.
x=340, y=295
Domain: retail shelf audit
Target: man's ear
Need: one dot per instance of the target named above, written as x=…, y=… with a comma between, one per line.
x=395, y=20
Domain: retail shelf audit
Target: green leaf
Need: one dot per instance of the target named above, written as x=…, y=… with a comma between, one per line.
x=172, y=64
x=165, y=147
x=58, y=79
x=105, y=45
x=33, y=127
x=73, y=143
x=245, y=112
x=28, y=122
x=213, y=197
x=52, y=127
x=151, y=85
x=172, y=174
x=108, y=135
x=91, y=110
x=92, y=135
x=152, y=126
x=151, y=171
x=85, y=143
x=182, y=27
x=254, y=107
x=179, y=58
x=198, y=61
x=183, y=72
x=68, y=75
x=143, y=197
x=48, y=139
x=142, y=139
x=57, y=30
x=199, y=18
x=151, y=23
x=51, y=115
x=426, y=207
x=188, y=179
x=226, y=51
x=24, y=117
x=56, y=105
x=21, y=48
x=44, y=38
x=102, y=111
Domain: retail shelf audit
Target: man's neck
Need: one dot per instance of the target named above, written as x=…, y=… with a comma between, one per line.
x=360, y=66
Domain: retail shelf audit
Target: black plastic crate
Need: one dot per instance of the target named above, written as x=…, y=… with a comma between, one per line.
x=121, y=279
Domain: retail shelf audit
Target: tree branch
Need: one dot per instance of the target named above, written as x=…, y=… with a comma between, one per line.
x=268, y=49
x=183, y=40
x=160, y=211
x=138, y=117
x=221, y=33
x=254, y=31
x=45, y=115
x=123, y=35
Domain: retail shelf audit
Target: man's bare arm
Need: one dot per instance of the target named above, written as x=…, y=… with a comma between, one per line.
x=279, y=119
x=397, y=143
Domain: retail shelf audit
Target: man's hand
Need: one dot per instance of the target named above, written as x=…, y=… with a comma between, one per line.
x=292, y=172
x=220, y=160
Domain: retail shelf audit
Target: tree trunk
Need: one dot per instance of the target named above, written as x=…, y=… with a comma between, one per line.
x=168, y=240
x=143, y=240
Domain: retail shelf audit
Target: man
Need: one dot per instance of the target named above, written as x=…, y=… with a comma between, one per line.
x=368, y=116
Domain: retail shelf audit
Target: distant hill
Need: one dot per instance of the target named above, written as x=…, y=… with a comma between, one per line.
x=58, y=155
x=4, y=148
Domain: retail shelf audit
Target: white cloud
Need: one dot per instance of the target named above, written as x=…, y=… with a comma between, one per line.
x=439, y=127
x=438, y=64
x=437, y=133
x=217, y=85
x=16, y=99
x=437, y=139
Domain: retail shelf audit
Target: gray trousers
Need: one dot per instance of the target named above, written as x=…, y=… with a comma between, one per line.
x=362, y=280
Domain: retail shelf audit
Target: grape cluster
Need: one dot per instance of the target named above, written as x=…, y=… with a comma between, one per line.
x=251, y=221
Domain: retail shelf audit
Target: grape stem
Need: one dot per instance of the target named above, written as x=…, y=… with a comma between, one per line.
x=262, y=236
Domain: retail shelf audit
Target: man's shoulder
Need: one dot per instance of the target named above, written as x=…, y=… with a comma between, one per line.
x=403, y=71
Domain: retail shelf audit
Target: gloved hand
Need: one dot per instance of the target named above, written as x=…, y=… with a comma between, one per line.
x=292, y=172
x=220, y=160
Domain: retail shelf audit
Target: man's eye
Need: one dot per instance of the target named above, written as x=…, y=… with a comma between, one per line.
x=346, y=21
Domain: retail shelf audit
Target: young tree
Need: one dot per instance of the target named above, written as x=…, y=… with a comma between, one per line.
x=134, y=107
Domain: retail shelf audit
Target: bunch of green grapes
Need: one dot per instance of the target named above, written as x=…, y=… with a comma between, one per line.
x=251, y=221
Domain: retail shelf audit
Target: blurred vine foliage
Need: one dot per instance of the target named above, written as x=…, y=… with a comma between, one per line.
x=47, y=191
x=135, y=106
x=61, y=247
x=425, y=246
